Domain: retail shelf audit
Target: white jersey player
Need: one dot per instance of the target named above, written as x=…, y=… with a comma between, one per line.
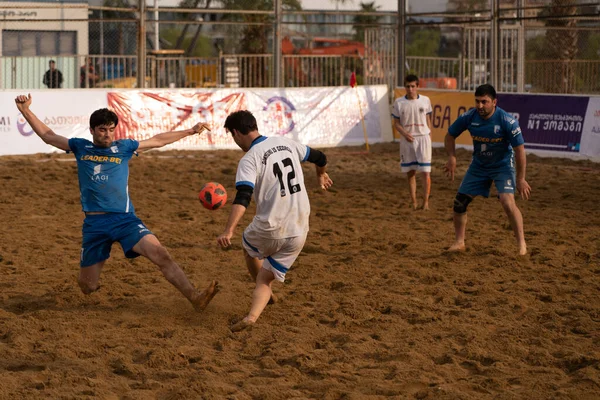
x=412, y=115
x=270, y=170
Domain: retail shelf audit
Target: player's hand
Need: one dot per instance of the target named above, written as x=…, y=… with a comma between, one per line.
x=409, y=138
x=450, y=167
x=325, y=181
x=199, y=127
x=23, y=102
x=224, y=239
x=524, y=189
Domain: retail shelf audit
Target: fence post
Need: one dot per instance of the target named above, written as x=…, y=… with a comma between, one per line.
x=521, y=48
x=494, y=39
x=277, y=44
x=401, y=62
x=141, y=56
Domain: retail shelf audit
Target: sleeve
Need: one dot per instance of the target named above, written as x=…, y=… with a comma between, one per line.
x=60, y=77
x=460, y=125
x=74, y=144
x=317, y=157
x=428, y=109
x=513, y=131
x=130, y=145
x=302, y=151
x=246, y=173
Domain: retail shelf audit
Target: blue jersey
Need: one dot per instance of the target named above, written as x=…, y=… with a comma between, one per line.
x=493, y=138
x=104, y=174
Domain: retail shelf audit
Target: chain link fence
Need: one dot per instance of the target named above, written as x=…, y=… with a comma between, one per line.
x=546, y=46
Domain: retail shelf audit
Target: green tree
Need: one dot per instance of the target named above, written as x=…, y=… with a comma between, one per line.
x=120, y=26
x=561, y=46
x=254, y=37
x=424, y=43
x=190, y=45
x=361, y=22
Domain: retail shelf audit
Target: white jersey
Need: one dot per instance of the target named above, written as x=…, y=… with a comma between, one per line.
x=273, y=168
x=412, y=114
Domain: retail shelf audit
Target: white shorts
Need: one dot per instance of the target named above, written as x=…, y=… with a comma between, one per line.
x=278, y=254
x=416, y=156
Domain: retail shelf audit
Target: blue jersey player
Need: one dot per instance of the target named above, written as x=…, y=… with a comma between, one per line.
x=497, y=144
x=103, y=173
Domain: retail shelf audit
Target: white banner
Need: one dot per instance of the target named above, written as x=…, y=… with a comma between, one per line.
x=590, y=135
x=66, y=112
x=314, y=116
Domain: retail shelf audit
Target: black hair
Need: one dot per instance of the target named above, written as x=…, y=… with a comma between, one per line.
x=242, y=121
x=103, y=116
x=411, y=78
x=486, y=90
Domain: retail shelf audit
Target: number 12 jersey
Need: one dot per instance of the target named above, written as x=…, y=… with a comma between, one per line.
x=273, y=168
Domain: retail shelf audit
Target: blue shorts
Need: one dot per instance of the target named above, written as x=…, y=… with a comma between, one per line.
x=477, y=181
x=102, y=230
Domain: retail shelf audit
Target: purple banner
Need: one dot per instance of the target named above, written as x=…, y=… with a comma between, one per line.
x=548, y=122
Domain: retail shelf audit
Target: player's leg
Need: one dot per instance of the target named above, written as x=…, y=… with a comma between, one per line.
x=89, y=277
x=253, y=262
x=409, y=165
x=426, y=189
x=475, y=183
x=260, y=298
x=95, y=250
x=461, y=201
x=424, y=155
x=412, y=187
x=283, y=254
x=516, y=219
x=505, y=185
x=149, y=247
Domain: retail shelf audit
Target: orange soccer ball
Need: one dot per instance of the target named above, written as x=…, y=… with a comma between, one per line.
x=213, y=195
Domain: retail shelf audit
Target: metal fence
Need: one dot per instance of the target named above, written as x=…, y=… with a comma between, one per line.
x=550, y=46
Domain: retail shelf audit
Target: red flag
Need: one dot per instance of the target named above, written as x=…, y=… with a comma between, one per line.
x=353, y=79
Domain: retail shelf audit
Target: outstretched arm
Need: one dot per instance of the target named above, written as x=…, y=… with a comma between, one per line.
x=46, y=134
x=165, y=138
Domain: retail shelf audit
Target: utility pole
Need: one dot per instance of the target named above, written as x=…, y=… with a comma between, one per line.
x=521, y=48
x=277, y=57
x=495, y=76
x=141, y=56
x=401, y=39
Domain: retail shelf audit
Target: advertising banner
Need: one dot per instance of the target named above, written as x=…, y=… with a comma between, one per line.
x=551, y=124
x=590, y=138
x=548, y=122
x=315, y=116
x=66, y=112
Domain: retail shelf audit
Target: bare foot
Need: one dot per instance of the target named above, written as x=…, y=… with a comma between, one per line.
x=242, y=325
x=201, y=300
x=425, y=207
x=458, y=246
x=523, y=250
x=415, y=207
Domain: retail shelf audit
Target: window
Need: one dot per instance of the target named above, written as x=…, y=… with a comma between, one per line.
x=38, y=43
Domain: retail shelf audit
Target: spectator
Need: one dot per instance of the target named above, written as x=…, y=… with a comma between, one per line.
x=53, y=78
x=92, y=77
